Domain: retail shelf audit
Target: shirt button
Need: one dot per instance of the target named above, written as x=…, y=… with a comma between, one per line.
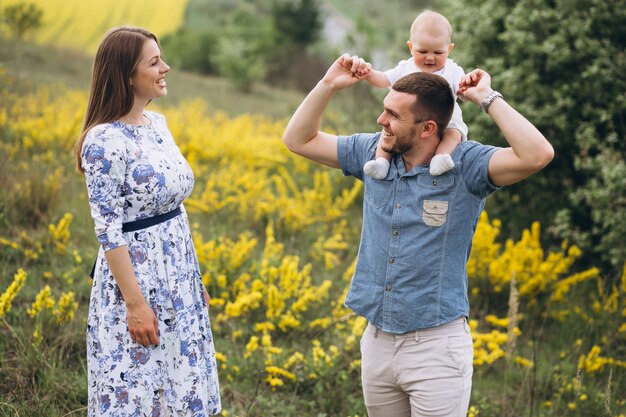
x=395, y=233
x=398, y=205
x=403, y=179
x=434, y=182
x=387, y=287
x=392, y=260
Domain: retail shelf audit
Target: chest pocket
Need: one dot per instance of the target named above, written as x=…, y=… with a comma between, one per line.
x=434, y=212
x=377, y=192
x=433, y=195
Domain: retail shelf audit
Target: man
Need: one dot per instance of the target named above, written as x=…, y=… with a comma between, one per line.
x=410, y=280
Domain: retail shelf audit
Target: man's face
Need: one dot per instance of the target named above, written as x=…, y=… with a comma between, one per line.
x=429, y=50
x=398, y=122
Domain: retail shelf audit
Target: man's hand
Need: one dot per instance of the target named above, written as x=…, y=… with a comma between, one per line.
x=346, y=71
x=529, y=150
x=475, y=86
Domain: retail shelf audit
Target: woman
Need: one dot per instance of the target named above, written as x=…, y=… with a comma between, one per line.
x=149, y=343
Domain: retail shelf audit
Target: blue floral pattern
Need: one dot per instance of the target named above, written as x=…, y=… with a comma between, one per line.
x=136, y=172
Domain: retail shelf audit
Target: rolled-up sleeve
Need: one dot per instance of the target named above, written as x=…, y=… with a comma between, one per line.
x=354, y=151
x=475, y=168
x=104, y=159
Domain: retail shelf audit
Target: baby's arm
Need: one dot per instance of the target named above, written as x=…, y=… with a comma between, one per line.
x=379, y=166
x=378, y=79
x=442, y=161
x=457, y=123
x=449, y=142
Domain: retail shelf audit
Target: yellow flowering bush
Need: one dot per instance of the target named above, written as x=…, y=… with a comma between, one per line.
x=11, y=292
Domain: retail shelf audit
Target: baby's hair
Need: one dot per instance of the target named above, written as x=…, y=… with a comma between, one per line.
x=433, y=21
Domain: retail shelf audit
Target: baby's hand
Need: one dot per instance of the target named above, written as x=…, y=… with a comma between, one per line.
x=364, y=72
x=356, y=65
x=474, y=86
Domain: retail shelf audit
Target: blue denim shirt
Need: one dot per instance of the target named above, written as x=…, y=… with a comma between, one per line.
x=416, y=236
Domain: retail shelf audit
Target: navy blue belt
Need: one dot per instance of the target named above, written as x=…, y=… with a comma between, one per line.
x=143, y=224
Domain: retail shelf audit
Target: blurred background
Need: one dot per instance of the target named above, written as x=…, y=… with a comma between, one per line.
x=277, y=236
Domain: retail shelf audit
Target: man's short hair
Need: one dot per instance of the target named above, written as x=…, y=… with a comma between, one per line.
x=433, y=98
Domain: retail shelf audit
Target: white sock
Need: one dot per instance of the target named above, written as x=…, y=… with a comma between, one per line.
x=440, y=164
x=376, y=168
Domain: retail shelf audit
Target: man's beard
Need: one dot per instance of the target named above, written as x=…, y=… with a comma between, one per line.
x=402, y=144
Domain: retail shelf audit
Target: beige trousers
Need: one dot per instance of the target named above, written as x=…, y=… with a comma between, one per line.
x=425, y=373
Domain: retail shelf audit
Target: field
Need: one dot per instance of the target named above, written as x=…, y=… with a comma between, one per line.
x=276, y=238
x=81, y=24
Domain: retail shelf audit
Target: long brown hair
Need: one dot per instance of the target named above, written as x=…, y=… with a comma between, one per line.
x=111, y=94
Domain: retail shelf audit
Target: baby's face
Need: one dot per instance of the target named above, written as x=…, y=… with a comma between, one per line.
x=429, y=51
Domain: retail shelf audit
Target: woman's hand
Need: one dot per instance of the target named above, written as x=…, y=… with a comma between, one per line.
x=142, y=324
x=207, y=298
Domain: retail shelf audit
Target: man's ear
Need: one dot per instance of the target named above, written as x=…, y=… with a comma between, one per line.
x=429, y=129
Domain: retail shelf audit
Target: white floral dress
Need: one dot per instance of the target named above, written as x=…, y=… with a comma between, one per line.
x=136, y=172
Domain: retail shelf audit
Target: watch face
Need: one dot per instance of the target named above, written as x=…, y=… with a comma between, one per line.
x=489, y=99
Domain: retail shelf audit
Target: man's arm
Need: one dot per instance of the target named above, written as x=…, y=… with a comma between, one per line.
x=302, y=135
x=529, y=150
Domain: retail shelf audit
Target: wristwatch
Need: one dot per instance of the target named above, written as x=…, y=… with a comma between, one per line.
x=484, y=106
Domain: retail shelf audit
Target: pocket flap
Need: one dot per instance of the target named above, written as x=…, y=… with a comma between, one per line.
x=435, y=207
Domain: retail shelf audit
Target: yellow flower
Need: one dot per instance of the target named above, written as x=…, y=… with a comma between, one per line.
x=66, y=306
x=275, y=382
x=473, y=412
x=252, y=345
x=220, y=357
x=523, y=361
x=7, y=297
x=43, y=300
x=276, y=371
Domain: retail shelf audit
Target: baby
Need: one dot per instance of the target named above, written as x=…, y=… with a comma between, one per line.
x=430, y=46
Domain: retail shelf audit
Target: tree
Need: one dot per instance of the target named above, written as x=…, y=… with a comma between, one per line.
x=296, y=25
x=192, y=50
x=22, y=18
x=297, y=22
x=242, y=49
x=562, y=65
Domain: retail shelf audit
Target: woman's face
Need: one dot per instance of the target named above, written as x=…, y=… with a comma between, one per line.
x=148, y=80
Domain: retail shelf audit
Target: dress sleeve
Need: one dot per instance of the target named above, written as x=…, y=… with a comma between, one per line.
x=104, y=159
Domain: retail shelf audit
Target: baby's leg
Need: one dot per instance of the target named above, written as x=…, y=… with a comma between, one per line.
x=379, y=166
x=442, y=161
